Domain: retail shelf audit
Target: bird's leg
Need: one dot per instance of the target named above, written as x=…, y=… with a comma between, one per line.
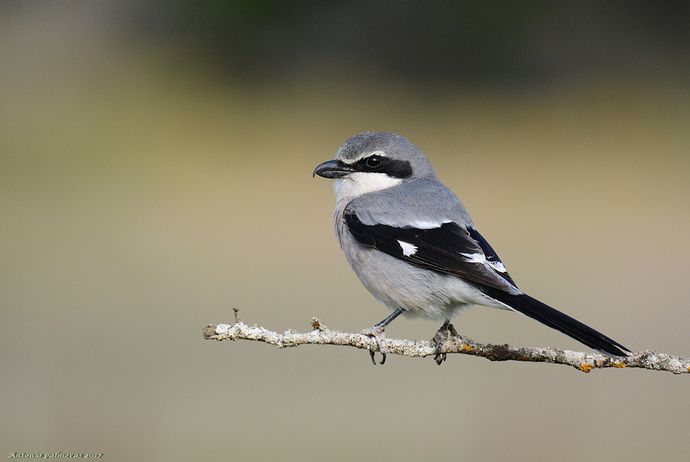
x=440, y=338
x=378, y=331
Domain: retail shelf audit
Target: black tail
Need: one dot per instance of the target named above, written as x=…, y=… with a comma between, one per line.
x=562, y=322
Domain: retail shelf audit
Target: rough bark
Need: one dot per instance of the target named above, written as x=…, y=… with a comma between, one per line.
x=321, y=335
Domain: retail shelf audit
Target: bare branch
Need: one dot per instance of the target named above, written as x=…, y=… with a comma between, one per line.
x=321, y=335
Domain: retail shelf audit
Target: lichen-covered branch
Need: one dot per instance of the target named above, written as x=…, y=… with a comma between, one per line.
x=321, y=335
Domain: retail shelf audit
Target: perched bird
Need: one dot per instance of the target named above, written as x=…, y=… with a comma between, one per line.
x=413, y=245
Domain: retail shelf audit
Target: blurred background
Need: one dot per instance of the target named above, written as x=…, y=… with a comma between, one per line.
x=155, y=170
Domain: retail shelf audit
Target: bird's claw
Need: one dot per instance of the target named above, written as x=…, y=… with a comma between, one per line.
x=373, y=357
x=379, y=334
x=440, y=338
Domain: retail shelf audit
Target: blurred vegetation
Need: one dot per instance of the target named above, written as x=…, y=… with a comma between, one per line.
x=472, y=42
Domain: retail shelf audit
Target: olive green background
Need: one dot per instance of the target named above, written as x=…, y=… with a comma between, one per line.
x=144, y=193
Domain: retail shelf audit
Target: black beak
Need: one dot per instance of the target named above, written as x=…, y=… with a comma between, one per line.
x=333, y=169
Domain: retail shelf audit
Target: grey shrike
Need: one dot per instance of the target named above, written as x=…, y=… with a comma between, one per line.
x=413, y=245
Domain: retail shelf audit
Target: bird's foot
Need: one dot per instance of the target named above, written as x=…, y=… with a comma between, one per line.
x=379, y=333
x=447, y=329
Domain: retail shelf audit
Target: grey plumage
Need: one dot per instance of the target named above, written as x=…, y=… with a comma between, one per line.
x=414, y=246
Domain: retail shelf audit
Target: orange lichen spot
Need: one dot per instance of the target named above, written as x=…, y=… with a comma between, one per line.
x=620, y=365
x=466, y=347
x=586, y=368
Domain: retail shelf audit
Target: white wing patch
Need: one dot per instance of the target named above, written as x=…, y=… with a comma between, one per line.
x=481, y=258
x=419, y=224
x=474, y=257
x=498, y=266
x=407, y=248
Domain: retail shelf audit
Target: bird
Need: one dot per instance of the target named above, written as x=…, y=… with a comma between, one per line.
x=413, y=245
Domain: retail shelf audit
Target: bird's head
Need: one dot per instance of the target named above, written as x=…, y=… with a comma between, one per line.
x=374, y=161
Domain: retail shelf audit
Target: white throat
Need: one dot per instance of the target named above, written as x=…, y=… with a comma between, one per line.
x=358, y=183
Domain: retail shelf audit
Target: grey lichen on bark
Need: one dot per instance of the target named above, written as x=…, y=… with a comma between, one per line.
x=321, y=335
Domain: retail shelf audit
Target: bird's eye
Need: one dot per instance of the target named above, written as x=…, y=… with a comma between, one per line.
x=374, y=162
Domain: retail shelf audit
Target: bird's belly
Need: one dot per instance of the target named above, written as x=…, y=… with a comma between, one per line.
x=419, y=292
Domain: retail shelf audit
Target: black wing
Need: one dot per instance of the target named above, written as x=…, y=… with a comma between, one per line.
x=453, y=249
x=449, y=248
